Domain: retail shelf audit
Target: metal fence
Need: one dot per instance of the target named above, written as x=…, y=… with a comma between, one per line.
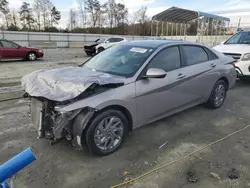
x=78, y=40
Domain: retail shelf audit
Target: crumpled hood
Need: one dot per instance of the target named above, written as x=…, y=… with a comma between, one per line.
x=233, y=48
x=66, y=83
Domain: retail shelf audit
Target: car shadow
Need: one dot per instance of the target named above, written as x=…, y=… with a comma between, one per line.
x=21, y=61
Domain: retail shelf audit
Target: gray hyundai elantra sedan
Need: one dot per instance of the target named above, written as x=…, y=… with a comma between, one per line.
x=98, y=103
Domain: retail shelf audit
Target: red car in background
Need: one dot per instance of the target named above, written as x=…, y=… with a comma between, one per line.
x=10, y=50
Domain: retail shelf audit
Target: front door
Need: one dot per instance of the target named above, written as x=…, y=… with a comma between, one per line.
x=11, y=50
x=158, y=96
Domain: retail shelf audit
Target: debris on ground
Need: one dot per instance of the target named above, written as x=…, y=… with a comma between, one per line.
x=127, y=176
x=214, y=175
x=146, y=162
x=163, y=144
x=233, y=174
x=125, y=172
x=192, y=177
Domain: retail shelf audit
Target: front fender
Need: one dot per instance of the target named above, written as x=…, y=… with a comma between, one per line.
x=80, y=123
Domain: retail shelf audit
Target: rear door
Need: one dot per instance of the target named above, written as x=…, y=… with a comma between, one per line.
x=11, y=50
x=199, y=71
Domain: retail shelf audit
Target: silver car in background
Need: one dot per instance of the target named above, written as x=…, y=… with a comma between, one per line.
x=126, y=86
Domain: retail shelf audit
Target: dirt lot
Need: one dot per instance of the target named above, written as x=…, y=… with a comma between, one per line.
x=12, y=71
x=62, y=166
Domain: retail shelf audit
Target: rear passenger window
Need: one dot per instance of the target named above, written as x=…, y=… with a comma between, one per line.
x=211, y=55
x=195, y=55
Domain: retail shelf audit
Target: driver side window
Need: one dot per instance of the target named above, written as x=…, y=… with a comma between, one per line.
x=110, y=40
x=167, y=59
x=8, y=44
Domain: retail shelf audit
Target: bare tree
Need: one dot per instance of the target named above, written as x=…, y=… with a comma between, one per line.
x=4, y=9
x=72, y=19
x=46, y=7
x=37, y=9
x=14, y=18
x=26, y=15
x=142, y=15
x=55, y=16
x=111, y=7
x=95, y=9
x=120, y=13
x=81, y=7
x=142, y=19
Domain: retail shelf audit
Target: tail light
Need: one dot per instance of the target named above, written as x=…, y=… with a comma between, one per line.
x=234, y=63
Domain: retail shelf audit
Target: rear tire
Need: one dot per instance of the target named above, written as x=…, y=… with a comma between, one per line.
x=31, y=56
x=102, y=139
x=218, y=95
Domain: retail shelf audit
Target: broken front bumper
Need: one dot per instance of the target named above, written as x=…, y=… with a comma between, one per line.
x=41, y=118
x=53, y=125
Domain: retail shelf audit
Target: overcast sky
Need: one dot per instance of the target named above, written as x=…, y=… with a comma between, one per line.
x=228, y=8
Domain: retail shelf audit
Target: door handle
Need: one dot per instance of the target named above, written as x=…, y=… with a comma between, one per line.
x=180, y=76
x=213, y=65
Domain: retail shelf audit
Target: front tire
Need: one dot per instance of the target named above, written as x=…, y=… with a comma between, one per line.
x=106, y=132
x=218, y=95
x=244, y=79
x=31, y=56
x=99, y=50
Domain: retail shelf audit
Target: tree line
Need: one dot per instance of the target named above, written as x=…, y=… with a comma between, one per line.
x=91, y=16
x=42, y=15
x=108, y=18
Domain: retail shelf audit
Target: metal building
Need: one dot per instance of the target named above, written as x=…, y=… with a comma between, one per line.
x=175, y=22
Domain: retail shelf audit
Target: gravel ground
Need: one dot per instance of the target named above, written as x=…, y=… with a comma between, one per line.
x=61, y=166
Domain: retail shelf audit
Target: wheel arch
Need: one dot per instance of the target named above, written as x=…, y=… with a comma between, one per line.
x=32, y=51
x=122, y=109
x=86, y=115
x=224, y=78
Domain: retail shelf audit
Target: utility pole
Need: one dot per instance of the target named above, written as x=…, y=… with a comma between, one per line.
x=85, y=14
x=239, y=23
x=71, y=19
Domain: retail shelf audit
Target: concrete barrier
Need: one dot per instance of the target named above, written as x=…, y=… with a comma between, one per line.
x=77, y=40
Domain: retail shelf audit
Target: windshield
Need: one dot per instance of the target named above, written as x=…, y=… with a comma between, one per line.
x=239, y=38
x=121, y=60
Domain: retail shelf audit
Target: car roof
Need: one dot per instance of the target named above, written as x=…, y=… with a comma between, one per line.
x=151, y=43
x=246, y=30
x=116, y=37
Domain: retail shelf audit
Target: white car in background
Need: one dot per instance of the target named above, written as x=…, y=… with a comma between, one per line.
x=109, y=42
x=238, y=47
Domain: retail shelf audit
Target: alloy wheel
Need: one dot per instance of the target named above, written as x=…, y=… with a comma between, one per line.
x=108, y=133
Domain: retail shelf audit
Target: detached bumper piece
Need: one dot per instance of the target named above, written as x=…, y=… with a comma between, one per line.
x=41, y=117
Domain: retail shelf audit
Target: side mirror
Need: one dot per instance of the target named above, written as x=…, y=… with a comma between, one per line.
x=155, y=73
x=106, y=41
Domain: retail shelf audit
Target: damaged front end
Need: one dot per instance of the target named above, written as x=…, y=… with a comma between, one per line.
x=54, y=125
x=49, y=90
